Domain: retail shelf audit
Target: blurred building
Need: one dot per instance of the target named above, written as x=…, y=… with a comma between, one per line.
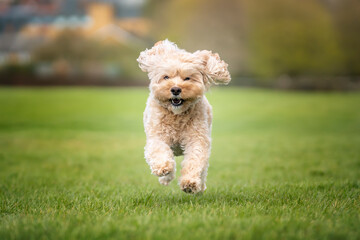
x=104, y=23
x=29, y=24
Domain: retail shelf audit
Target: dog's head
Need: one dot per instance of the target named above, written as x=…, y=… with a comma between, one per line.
x=178, y=79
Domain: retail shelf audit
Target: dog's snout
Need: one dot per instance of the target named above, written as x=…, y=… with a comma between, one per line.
x=175, y=90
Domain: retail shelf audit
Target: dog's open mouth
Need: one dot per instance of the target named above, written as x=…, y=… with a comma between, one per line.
x=176, y=101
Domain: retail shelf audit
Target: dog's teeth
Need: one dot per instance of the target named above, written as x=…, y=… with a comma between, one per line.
x=176, y=101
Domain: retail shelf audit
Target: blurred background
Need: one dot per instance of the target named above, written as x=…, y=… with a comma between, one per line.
x=284, y=164
x=312, y=44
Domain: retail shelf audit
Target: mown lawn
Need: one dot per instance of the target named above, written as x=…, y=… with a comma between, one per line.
x=284, y=165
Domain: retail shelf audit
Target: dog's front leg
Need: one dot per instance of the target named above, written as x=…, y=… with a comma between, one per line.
x=160, y=158
x=195, y=164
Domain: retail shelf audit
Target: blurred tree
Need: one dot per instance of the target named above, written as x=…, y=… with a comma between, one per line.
x=79, y=51
x=203, y=24
x=292, y=38
x=266, y=39
x=72, y=46
x=347, y=21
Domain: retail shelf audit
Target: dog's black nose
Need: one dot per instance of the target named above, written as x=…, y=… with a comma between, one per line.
x=175, y=90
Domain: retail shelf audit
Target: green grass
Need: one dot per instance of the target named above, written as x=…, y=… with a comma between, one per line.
x=284, y=165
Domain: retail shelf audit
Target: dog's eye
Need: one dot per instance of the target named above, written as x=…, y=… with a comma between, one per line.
x=166, y=77
x=186, y=79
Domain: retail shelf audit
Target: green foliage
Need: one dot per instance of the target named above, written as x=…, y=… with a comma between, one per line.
x=194, y=25
x=294, y=39
x=12, y=69
x=347, y=22
x=78, y=50
x=283, y=166
x=267, y=39
x=72, y=46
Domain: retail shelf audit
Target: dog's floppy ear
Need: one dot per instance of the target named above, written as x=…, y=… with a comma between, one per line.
x=214, y=69
x=149, y=58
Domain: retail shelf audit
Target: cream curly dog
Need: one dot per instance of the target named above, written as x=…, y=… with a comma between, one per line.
x=178, y=116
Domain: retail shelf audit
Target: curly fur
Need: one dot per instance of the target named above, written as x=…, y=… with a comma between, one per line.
x=171, y=129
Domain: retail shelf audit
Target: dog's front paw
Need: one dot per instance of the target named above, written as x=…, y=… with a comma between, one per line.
x=164, y=169
x=191, y=186
x=165, y=180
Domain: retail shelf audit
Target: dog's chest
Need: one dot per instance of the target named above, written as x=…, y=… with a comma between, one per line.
x=168, y=127
x=174, y=126
x=172, y=130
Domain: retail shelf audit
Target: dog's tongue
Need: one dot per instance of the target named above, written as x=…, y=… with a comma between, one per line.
x=176, y=101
